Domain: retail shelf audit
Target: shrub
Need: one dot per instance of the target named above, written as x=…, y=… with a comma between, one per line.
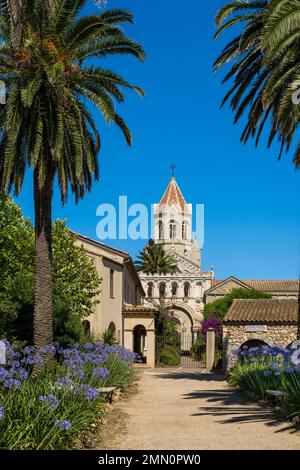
x=220, y=307
x=170, y=356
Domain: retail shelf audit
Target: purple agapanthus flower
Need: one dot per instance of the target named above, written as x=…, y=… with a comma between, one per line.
x=65, y=382
x=51, y=400
x=87, y=391
x=100, y=373
x=11, y=383
x=2, y=412
x=49, y=349
x=64, y=425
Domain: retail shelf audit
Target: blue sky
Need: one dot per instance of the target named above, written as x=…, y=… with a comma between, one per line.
x=252, y=210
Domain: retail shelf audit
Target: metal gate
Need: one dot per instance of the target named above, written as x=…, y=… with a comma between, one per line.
x=181, y=350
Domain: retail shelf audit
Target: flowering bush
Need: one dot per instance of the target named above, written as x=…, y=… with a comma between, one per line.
x=52, y=410
x=212, y=322
x=269, y=368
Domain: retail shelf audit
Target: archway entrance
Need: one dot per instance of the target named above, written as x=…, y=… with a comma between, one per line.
x=179, y=344
x=139, y=341
x=254, y=343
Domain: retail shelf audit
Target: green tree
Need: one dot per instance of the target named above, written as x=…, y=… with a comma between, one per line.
x=16, y=256
x=220, y=307
x=46, y=123
x=75, y=279
x=264, y=62
x=155, y=260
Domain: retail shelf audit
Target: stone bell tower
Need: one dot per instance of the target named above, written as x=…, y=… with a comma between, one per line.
x=173, y=224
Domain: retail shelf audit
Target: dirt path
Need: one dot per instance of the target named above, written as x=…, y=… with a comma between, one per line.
x=184, y=410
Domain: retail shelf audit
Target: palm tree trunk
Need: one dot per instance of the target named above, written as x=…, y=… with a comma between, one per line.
x=43, y=308
x=15, y=9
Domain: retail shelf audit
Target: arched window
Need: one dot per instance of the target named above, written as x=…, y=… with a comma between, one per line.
x=112, y=327
x=173, y=230
x=162, y=290
x=186, y=290
x=185, y=229
x=160, y=230
x=150, y=290
x=174, y=289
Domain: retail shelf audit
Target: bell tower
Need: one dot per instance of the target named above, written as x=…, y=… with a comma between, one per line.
x=173, y=223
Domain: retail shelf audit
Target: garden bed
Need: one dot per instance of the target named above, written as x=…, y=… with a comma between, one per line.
x=261, y=370
x=56, y=408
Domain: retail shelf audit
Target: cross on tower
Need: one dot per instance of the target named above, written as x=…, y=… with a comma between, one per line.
x=173, y=167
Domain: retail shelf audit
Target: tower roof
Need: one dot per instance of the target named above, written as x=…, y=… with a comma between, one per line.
x=174, y=195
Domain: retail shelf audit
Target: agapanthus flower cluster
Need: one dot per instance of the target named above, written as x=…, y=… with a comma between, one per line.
x=277, y=360
x=81, y=362
x=64, y=425
x=2, y=412
x=65, y=382
x=18, y=365
x=90, y=393
x=50, y=400
x=100, y=373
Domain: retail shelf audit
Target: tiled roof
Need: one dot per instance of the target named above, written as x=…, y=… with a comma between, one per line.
x=143, y=309
x=274, y=286
x=174, y=195
x=263, y=311
x=268, y=285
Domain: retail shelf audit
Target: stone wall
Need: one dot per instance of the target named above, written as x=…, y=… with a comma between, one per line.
x=235, y=335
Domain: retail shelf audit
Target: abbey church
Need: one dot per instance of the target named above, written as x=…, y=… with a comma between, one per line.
x=185, y=293
x=129, y=301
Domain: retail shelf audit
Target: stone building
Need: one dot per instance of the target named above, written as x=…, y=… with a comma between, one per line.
x=182, y=293
x=121, y=299
x=257, y=322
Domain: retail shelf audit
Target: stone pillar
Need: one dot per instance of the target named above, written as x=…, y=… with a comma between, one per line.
x=210, y=349
x=150, y=345
x=128, y=339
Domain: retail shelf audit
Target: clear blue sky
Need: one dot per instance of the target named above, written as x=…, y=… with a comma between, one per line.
x=252, y=210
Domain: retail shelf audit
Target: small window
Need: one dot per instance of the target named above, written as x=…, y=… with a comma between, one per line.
x=150, y=290
x=162, y=290
x=111, y=284
x=186, y=290
x=160, y=230
x=184, y=231
x=173, y=230
x=174, y=289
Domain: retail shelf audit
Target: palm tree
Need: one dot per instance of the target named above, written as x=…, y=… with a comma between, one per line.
x=155, y=260
x=46, y=123
x=265, y=68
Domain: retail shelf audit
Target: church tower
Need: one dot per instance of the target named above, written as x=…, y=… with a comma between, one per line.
x=173, y=224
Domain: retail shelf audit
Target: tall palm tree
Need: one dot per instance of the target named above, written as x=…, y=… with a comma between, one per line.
x=264, y=74
x=155, y=260
x=46, y=123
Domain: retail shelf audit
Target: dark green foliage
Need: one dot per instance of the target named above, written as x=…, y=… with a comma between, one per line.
x=169, y=356
x=50, y=79
x=264, y=74
x=108, y=337
x=155, y=260
x=76, y=282
x=220, y=307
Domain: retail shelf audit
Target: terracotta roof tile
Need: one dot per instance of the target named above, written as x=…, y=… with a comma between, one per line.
x=268, y=285
x=130, y=308
x=174, y=195
x=263, y=311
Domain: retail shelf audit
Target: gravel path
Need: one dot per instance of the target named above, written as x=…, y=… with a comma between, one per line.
x=179, y=409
